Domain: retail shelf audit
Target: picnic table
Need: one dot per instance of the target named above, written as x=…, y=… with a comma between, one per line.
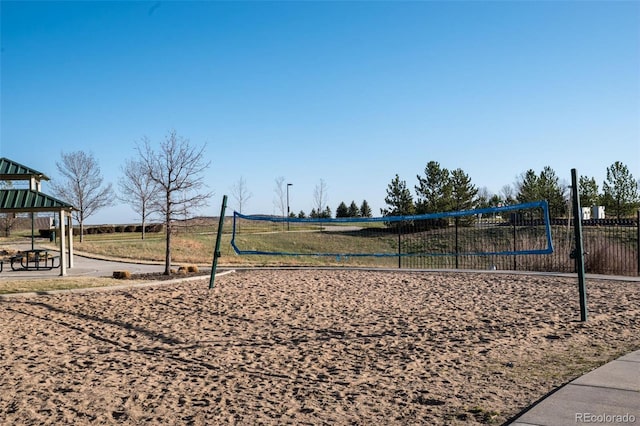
x=34, y=259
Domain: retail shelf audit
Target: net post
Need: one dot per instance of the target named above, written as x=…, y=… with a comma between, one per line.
x=216, y=252
x=579, y=250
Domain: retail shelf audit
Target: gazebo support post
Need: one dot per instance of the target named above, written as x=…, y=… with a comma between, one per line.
x=70, y=226
x=63, y=244
x=33, y=237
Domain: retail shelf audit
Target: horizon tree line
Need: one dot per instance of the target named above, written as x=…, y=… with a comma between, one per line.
x=167, y=180
x=441, y=190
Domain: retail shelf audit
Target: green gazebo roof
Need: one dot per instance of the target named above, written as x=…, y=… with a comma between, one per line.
x=26, y=200
x=10, y=170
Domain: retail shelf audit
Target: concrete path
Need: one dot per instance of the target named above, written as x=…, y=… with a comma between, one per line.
x=82, y=266
x=609, y=395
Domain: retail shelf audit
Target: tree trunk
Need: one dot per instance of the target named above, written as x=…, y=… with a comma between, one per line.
x=167, y=259
x=144, y=215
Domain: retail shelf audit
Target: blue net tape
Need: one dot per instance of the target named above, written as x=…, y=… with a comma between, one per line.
x=543, y=205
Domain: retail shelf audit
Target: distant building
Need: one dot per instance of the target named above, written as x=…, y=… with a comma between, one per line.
x=593, y=212
x=597, y=212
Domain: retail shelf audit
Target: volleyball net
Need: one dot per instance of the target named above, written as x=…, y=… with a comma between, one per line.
x=516, y=230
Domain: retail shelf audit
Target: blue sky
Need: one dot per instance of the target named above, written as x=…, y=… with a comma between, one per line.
x=347, y=92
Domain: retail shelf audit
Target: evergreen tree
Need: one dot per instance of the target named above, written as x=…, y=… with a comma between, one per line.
x=527, y=187
x=463, y=195
x=342, y=210
x=399, y=199
x=620, y=190
x=551, y=190
x=433, y=190
x=365, y=210
x=463, y=192
x=302, y=215
x=545, y=186
x=588, y=189
x=495, y=201
x=354, y=211
x=326, y=214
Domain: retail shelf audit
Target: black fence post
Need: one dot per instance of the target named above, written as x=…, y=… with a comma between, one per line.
x=457, y=247
x=399, y=247
x=515, y=265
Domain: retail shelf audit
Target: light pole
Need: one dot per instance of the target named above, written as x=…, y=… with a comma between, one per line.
x=288, y=213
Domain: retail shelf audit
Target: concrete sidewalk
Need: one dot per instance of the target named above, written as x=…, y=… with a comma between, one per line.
x=82, y=266
x=609, y=395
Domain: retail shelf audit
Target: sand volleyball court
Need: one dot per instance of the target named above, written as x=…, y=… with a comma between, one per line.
x=307, y=347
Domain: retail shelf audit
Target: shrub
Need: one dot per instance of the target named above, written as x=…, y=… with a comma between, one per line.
x=121, y=275
x=157, y=227
x=609, y=258
x=106, y=229
x=192, y=268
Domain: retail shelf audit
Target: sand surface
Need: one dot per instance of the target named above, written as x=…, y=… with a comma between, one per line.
x=307, y=347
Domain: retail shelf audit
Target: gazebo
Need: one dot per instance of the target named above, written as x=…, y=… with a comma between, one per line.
x=32, y=200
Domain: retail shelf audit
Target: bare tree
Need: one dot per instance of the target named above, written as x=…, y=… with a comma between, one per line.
x=7, y=223
x=138, y=190
x=320, y=196
x=176, y=168
x=81, y=186
x=483, y=197
x=508, y=195
x=240, y=193
x=280, y=200
x=7, y=220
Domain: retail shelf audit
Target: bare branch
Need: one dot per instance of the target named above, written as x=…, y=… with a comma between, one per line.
x=240, y=193
x=176, y=169
x=320, y=196
x=82, y=186
x=138, y=190
x=280, y=200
